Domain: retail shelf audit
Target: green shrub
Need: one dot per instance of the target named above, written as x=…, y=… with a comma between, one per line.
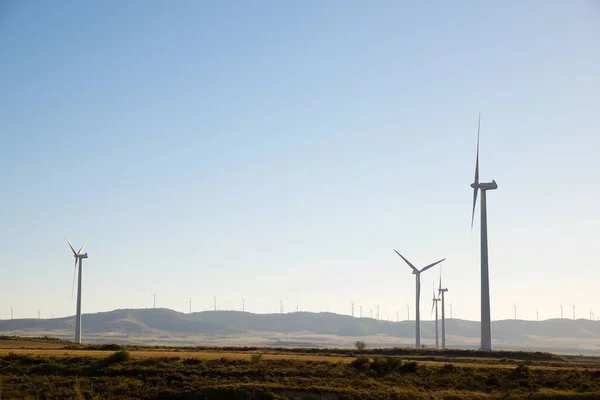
x=118, y=357
x=256, y=358
x=361, y=363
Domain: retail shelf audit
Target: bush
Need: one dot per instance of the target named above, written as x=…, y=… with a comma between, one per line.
x=410, y=366
x=360, y=345
x=256, y=358
x=386, y=365
x=118, y=357
x=361, y=363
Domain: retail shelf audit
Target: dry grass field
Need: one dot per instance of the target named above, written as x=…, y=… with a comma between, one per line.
x=47, y=368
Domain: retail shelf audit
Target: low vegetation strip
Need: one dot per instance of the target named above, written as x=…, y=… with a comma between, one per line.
x=122, y=375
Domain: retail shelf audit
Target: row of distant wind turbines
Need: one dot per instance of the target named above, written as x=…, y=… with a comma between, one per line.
x=486, y=324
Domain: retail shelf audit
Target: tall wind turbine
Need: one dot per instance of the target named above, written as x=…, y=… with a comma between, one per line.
x=573, y=311
x=243, y=305
x=441, y=292
x=79, y=256
x=360, y=311
x=215, y=301
x=417, y=274
x=352, y=305
x=486, y=319
x=515, y=306
x=377, y=312
x=434, y=304
x=561, y=311
x=154, y=295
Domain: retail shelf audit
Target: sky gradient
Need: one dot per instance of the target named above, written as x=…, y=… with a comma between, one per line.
x=281, y=150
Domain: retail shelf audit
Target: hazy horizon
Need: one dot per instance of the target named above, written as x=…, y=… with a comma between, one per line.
x=282, y=151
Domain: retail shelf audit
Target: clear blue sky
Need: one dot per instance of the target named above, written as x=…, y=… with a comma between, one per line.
x=281, y=150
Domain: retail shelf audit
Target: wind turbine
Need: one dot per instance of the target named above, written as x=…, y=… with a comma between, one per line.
x=561, y=311
x=280, y=306
x=377, y=312
x=417, y=274
x=441, y=292
x=397, y=315
x=537, y=315
x=190, y=305
x=573, y=311
x=434, y=305
x=154, y=295
x=450, y=305
x=215, y=301
x=408, y=311
x=371, y=312
x=243, y=305
x=11, y=313
x=360, y=311
x=352, y=304
x=486, y=319
x=79, y=256
x=515, y=306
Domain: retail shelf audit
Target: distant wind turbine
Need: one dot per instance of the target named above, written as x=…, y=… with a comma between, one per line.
x=515, y=306
x=441, y=292
x=537, y=315
x=451, y=304
x=352, y=305
x=417, y=274
x=561, y=311
x=243, y=305
x=360, y=311
x=190, y=305
x=11, y=313
x=280, y=306
x=215, y=301
x=154, y=295
x=434, y=305
x=407, y=311
x=486, y=319
x=397, y=316
x=377, y=312
x=371, y=312
x=79, y=256
x=573, y=311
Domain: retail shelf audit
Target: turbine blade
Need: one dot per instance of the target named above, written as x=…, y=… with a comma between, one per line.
x=432, y=306
x=71, y=245
x=476, y=181
x=431, y=265
x=406, y=261
x=74, y=274
x=83, y=247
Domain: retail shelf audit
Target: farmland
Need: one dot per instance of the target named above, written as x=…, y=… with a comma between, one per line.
x=49, y=368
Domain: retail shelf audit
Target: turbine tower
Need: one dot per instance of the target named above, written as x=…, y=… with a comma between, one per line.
x=561, y=311
x=190, y=305
x=243, y=305
x=408, y=311
x=154, y=295
x=434, y=304
x=79, y=256
x=515, y=306
x=360, y=311
x=441, y=292
x=215, y=301
x=451, y=304
x=486, y=319
x=352, y=305
x=417, y=274
x=573, y=311
x=377, y=312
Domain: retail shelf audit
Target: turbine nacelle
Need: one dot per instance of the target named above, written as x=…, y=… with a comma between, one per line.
x=84, y=255
x=485, y=185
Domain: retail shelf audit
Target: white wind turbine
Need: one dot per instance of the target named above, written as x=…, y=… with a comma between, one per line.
x=434, y=304
x=486, y=319
x=79, y=256
x=441, y=292
x=417, y=274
